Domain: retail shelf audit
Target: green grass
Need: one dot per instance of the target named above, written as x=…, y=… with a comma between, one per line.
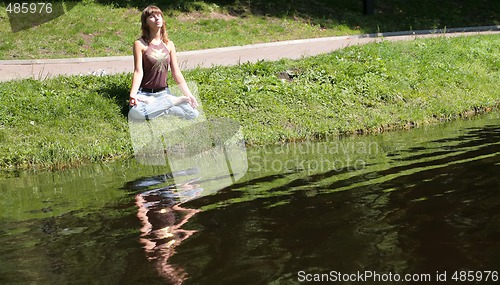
x=67, y=121
x=370, y=88
x=60, y=122
x=97, y=28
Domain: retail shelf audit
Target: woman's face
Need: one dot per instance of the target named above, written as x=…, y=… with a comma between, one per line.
x=155, y=20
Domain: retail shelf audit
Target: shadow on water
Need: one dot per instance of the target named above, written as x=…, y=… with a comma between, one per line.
x=435, y=208
x=422, y=202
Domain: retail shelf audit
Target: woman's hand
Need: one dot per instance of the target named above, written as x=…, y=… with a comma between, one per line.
x=192, y=101
x=132, y=101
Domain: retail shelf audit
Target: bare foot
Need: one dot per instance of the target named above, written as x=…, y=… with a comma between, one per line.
x=178, y=100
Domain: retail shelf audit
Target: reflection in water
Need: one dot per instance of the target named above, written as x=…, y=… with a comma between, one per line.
x=162, y=215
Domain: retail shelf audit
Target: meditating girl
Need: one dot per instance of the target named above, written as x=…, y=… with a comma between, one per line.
x=153, y=54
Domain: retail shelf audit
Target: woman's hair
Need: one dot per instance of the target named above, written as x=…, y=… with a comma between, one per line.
x=152, y=10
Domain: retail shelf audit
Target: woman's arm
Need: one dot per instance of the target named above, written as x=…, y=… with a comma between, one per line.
x=178, y=77
x=138, y=72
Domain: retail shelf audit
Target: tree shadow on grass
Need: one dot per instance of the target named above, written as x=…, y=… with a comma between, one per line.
x=118, y=89
x=390, y=15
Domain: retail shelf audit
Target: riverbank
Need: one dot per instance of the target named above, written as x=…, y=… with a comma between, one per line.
x=67, y=121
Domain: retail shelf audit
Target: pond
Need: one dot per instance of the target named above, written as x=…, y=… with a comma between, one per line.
x=420, y=205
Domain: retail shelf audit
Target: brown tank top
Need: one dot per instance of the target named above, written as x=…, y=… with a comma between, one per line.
x=155, y=62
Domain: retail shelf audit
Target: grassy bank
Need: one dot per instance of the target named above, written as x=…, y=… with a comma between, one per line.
x=97, y=28
x=66, y=121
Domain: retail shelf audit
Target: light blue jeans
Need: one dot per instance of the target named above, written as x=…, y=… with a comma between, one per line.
x=161, y=106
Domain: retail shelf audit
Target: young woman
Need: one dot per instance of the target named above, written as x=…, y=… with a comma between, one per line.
x=154, y=53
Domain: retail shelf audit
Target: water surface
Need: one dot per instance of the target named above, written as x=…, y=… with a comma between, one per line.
x=424, y=201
